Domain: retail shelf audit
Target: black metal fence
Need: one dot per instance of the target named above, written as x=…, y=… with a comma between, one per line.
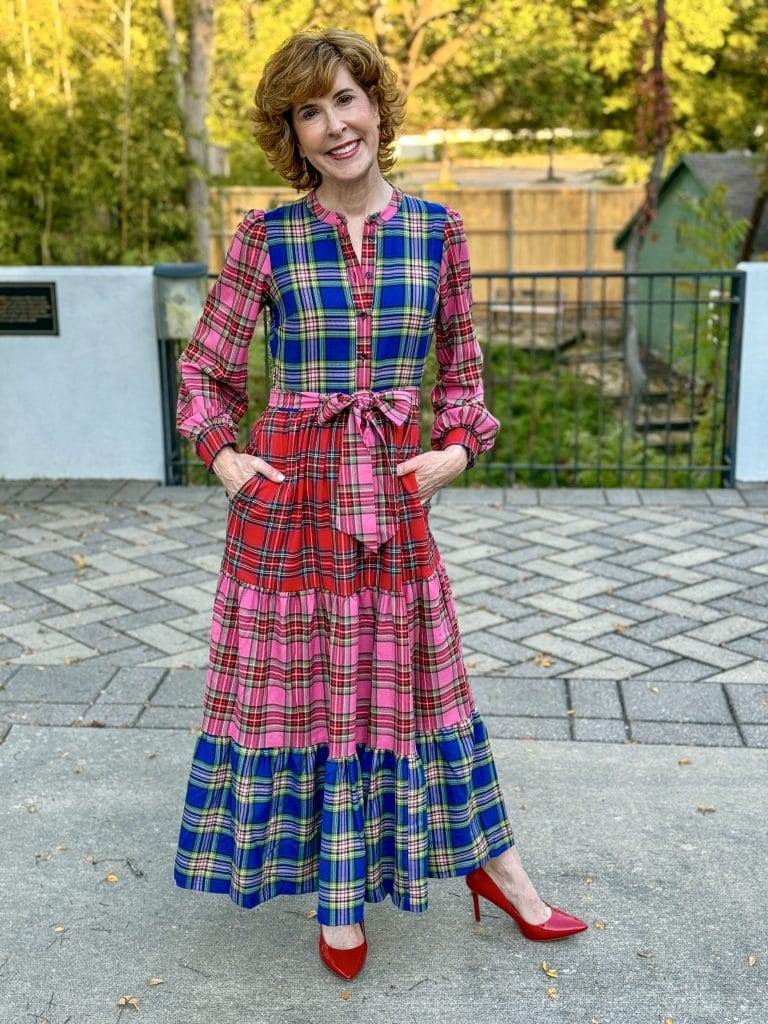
x=599, y=379
x=606, y=379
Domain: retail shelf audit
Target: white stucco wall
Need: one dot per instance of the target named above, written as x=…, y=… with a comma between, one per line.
x=752, y=422
x=86, y=402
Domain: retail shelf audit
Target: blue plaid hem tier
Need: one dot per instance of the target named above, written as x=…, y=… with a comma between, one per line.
x=286, y=820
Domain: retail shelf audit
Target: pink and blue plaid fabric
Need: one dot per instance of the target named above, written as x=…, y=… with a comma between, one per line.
x=336, y=324
x=364, y=502
x=340, y=750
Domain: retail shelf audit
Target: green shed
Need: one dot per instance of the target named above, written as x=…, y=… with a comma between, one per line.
x=696, y=174
x=674, y=305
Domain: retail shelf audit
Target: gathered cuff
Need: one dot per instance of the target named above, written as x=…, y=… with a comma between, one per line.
x=470, y=425
x=210, y=443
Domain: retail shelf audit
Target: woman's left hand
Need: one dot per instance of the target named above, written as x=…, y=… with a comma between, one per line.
x=434, y=469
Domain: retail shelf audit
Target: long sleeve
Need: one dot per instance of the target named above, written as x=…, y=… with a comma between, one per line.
x=457, y=397
x=213, y=367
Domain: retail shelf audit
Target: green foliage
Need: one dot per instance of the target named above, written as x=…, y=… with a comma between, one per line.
x=558, y=429
x=93, y=165
x=709, y=235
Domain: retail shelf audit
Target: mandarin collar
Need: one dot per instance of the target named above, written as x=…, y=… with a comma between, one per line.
x=333, y=217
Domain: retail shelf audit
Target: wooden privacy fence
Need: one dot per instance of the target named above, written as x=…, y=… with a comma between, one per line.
x=516, y=230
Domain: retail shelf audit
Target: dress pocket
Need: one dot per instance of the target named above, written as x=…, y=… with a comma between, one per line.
x=247, y=489
x=410, y=484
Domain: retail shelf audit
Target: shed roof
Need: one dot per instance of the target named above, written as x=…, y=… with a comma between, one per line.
x=737, y=169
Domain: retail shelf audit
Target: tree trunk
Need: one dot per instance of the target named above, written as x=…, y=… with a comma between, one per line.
x=748, y=245
x=653, y=131
x=197, y=91
x=192, y=93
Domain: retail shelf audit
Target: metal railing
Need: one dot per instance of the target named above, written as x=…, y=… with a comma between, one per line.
x=557, y=351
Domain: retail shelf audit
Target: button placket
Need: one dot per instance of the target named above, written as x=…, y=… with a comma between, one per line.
x=363, y=299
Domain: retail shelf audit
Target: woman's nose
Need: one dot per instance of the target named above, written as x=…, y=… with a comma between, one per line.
x=335, y=124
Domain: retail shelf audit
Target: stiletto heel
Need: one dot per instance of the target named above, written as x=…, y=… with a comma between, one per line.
x=344, y=962
x=559, y=924
x=477, y=906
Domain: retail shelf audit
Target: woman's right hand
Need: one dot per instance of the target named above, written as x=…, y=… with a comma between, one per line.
x=234, y=469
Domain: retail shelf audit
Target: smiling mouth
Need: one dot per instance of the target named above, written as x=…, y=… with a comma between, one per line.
x=345, y=147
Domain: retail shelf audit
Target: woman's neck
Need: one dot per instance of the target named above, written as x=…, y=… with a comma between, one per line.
x=357, y=199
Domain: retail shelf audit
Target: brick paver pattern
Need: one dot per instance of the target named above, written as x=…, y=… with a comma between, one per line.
x=589, y=615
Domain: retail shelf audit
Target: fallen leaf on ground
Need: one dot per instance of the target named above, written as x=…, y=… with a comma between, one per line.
x=751, y=959
x=137, y=871
x=131, y=1001
x=600, y=923
x=111, y=877
x=654, y=689
x=646, y=954
x=156, y=981
x=345, y=993
x=551, y=972
x=542, y=660
x=706, y=809
x=552, y=992
x=684, y=760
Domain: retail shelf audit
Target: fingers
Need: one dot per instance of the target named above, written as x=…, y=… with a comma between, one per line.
x=259, y=465
x=254, y=465
x=270, y=471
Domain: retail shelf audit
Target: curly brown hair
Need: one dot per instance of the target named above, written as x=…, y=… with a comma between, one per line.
x=304, y=66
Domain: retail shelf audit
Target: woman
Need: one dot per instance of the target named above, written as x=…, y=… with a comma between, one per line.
x=340, y=750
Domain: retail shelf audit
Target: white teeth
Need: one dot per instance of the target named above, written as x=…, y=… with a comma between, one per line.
x=347, y=148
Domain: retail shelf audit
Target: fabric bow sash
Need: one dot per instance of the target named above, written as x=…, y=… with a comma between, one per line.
x=360, y=509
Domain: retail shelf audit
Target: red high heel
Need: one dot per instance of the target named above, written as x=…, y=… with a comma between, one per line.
x=558, y=925
x=344, y=962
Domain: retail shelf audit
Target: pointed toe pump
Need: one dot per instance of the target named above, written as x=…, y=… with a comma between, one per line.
x=558, y=925
x=344, y=962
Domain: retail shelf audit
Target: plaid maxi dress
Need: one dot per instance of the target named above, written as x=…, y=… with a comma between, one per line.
x=340, y=750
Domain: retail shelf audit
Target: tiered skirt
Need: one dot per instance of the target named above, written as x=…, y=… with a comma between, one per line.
x=340, y=750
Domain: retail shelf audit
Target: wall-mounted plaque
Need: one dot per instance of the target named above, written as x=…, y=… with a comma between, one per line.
x=28, y=307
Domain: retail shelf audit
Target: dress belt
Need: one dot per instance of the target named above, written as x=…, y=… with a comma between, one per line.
x=360, y=509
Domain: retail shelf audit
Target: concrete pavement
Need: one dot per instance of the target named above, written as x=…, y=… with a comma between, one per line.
x=611, y=635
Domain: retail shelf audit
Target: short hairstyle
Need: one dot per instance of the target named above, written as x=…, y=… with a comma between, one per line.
x=305, y=65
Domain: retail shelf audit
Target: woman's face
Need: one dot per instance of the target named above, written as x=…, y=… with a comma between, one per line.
x=329, y=122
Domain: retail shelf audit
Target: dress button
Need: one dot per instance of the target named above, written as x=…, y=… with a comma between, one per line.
x=368, y=273
x=362, y=313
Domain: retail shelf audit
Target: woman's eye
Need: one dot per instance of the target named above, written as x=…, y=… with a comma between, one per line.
x=310, y=110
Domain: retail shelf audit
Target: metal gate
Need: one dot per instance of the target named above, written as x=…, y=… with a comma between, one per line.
x=556, y=348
